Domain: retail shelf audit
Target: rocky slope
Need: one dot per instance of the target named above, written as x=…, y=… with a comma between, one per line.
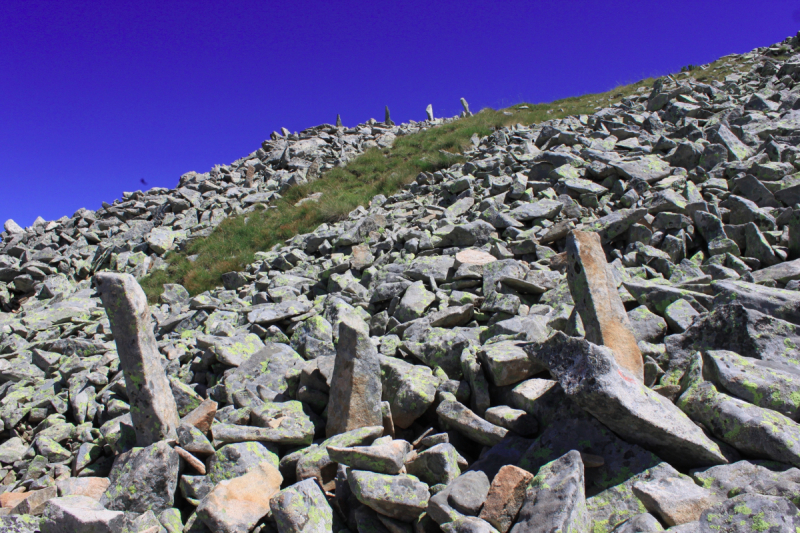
x=591, y=325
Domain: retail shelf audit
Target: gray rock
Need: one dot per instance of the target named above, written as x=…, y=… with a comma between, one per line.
x=302, y=507
x=387, y=458
x=233, y=460
x=438, y=464
x=468, y=492
x=778, y=303
x=555, y=499
x=751, y=512
x=591, y=377
x=676, y=500
x=356, y=385
x=646, y=325
x=143, y=479
x=400, y=497
x=409, y=389
x=727, y=481
x=80, y=514
x=457, y=416
x=769, y=384
x=752, y=430
x=153, y=409
x=641, y=523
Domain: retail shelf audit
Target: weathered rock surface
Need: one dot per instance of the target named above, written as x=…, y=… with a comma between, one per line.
x=154, y=413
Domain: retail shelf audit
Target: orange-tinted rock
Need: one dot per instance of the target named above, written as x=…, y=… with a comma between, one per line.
x=505, y=498
x=202, y=416
x=11, y=499
x=473, y=256
x=239, y=503
x=594, y=290
x=93, y=487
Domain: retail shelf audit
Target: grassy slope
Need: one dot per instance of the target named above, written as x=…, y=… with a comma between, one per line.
x=234, y=242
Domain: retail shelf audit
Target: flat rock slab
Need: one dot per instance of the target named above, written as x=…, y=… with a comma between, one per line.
x=590, y=375
x=458, y=417
x=778, y=303
x=594, y=291
x=387, y=458
x=270, y=313
x=751, y=512
x=401, y=497
x=750, y=429
x=80, y=514
x=676, y=500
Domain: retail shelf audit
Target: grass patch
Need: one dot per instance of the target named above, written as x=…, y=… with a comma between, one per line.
x=233, y=244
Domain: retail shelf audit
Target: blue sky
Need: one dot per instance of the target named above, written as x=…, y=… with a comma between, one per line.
x=96, y=96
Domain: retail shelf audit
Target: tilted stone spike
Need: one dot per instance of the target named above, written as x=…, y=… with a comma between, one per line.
x=338, y=120
x=285, y=132
x=465, y=105
x=594, y=291
x=388, y=118
x=429, y=111
x=249, y=173
x=153, y=409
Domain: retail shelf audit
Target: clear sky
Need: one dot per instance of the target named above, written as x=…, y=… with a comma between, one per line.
x=97, y=96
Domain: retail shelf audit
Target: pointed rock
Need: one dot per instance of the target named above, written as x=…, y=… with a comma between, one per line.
x=355, y=396
x=594, y=291
x=153, y=409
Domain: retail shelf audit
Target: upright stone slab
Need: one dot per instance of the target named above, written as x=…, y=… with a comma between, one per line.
x=153, y=409
x=594, y=291
x=355, y=397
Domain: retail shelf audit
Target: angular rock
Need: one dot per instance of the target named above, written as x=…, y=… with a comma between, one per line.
x=400, y=497
x=675, y=500
x=143, y=479
x=386, y=458
x=80, y=514
x=594, y=291
x=356, y=385
x=751, y=512
x=438, y=464
x=302, y=508
x=752, y=430
x=153, y=409
x=505, y=497
x=555, y=500
x=456, y=416
x=236, y=505
x=591, y=377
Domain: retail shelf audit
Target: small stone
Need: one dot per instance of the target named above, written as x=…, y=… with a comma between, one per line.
x=468, y=492
x=505, y=497
x=680, y=314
